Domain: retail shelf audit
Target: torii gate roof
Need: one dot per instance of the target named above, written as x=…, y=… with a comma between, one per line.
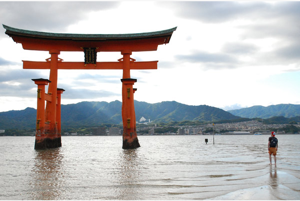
x=35, y=40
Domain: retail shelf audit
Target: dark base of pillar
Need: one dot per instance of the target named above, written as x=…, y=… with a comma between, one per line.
x=48, y=143
x=133, y=145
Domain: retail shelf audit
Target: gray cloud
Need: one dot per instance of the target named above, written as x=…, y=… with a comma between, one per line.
x=4, y=62
x=23, y=77
x=217, y=12
x=280, y=21
x=145, y=71
x=289, y=52
x=204, y=57
x=166, y=64
x=26, y=86
x=99, y=78
x=54, y=16
x=276, y=20
x=71, y=93
x=288, y=10
x=19, y=75
x=80, y=93
x=278, y=28
x=22, y=90
x=25, y=90
x=210, y=60
x=239, y=48
x=283, y=55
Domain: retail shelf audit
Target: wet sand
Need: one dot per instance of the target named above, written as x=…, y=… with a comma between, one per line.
x=280, y=186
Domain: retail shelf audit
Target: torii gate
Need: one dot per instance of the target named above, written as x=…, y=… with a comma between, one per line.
x=48, y=125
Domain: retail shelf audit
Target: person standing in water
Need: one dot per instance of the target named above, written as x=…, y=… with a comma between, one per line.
x=272, y=147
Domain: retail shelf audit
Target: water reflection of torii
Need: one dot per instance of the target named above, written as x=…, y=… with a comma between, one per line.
x=48, y=125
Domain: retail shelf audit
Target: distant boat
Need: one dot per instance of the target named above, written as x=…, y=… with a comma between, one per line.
x=257, y=134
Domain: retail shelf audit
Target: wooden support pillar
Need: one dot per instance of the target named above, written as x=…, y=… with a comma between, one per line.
x=40, y=137
x=130, y=140
x=134, y=90
x=53, y=140
x=51, y=105
x=126, y=63
x=58, y=115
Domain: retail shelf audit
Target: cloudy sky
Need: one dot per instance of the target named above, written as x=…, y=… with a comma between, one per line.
x=226, y=54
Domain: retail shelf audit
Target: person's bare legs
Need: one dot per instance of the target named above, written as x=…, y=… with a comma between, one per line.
x=275, y=159
x=270, y=159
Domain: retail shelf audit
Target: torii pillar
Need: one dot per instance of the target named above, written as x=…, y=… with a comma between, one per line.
x=130, y=140
x=48, y=135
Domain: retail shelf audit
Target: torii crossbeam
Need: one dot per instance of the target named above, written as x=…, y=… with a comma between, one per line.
x=48, y=129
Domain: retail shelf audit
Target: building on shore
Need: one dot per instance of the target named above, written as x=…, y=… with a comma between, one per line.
x=114, y=131
x=99, y=131
x=181, y=131
x=151, y=131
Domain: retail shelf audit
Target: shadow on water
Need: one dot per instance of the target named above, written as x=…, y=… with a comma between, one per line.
x=47, y=176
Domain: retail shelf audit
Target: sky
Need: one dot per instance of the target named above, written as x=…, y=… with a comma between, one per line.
x=226, y=54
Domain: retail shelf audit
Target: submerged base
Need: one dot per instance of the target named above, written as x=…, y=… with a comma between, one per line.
x=131, y=145
x=48, y=143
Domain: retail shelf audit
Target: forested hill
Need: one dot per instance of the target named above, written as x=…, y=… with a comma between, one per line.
x=285, y=110
x=95, y=113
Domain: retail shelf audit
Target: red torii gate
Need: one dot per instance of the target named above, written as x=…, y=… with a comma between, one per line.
x=48, y=126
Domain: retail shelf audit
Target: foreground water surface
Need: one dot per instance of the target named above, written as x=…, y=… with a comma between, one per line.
x=163, y=168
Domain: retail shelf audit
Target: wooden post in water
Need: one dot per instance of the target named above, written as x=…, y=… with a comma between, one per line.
x=213, y=133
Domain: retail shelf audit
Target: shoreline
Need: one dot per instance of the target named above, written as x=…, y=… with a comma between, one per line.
x=150, y=135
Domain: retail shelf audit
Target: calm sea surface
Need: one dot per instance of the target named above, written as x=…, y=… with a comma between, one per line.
x=164, y=167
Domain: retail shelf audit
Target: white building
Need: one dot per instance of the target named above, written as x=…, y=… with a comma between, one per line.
x=143, y=120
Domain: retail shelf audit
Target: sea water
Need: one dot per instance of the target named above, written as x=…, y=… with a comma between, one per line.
x=163, y=168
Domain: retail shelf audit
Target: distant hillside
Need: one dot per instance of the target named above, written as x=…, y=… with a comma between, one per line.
x=281, y=120
x=96, y=113
x=285, y=110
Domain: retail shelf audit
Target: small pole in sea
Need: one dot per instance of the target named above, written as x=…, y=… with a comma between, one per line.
x=213, y=133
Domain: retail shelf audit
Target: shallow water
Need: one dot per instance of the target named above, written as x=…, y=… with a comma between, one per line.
x=164, y=167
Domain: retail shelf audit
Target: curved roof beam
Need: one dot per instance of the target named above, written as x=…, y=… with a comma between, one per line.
x=70, y=36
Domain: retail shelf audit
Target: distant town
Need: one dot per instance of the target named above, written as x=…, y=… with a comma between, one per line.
x=146, y=127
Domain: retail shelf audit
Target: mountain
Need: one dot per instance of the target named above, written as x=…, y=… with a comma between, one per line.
x=285, y=110
x=18, y=119
x=96, y=113
x=173, y=111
